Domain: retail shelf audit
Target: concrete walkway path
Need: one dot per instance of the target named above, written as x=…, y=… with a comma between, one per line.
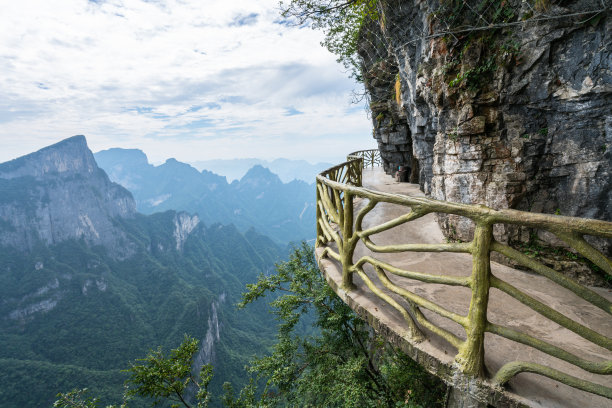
x=437, y=354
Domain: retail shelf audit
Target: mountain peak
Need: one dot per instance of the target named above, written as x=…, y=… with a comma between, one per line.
x=62, y=194
x=175, y=164
x=115, y=155
x=73, y=140
x=70, y=155
x=259, y=172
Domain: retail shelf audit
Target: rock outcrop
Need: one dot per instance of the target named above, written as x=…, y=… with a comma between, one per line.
x=519, y=117
x=206, y=354
x=59, y=193
x=184, y=224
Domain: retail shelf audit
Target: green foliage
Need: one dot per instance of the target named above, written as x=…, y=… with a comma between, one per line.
x=168, y=378
x=340, y=20
x=379, y=118
x=32, y=383
x=246, y=398
x=343, y=363
x=495, y=47
x=474, y=77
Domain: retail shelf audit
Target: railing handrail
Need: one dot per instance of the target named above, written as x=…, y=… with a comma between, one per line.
x=507, y=216
x=338, y=185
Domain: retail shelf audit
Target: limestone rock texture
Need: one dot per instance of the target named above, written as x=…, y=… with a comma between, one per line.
x=59, y=193
x=184, y=224
x=518, y=117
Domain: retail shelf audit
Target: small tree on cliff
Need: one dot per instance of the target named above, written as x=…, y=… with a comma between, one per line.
x=340, y=20
x=342, y=363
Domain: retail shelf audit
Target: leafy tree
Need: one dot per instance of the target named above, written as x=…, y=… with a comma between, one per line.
x=246, y=399
x=343, y=364
x=168, y=378
x=340, y=20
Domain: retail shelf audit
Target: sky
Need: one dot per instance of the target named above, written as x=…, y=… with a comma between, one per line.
x=192, y=80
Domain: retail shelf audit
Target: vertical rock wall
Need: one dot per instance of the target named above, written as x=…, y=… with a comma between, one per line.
x=523, y=120
x=381, y=77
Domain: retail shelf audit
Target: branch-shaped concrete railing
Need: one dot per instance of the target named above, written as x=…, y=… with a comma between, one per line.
x=371, y=158
x=337, y=188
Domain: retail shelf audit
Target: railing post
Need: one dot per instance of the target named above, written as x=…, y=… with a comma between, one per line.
x=347, y=247
x=471, y=355
x=318, y=241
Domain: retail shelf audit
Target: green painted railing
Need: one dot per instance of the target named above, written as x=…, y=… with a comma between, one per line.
x=337, y=188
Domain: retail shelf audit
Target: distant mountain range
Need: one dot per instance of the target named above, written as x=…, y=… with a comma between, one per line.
x=88, y=284
x=287, y=170
x=283, y=211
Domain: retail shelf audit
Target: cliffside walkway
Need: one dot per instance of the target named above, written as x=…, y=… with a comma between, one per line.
x=497, y=335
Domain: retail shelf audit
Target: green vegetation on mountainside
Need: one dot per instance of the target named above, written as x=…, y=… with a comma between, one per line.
x=70, y=314
x=341, y=364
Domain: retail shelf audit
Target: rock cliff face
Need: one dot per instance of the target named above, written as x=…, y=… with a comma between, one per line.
x=59, y=193
x=206, y=354
x=520, y=117
x=184, y=224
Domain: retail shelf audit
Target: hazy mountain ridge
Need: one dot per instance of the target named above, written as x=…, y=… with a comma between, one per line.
x=287, y=170
x=282, y=211
x=73, y=313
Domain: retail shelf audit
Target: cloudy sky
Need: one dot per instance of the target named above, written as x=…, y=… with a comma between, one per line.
x=193, y=80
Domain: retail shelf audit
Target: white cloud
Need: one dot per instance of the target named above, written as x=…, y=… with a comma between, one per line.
x=187, y=79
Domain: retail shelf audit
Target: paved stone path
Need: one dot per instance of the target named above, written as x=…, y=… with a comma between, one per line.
x=531, y=389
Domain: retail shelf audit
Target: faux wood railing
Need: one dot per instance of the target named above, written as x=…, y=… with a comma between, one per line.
x=371, y=157
x=337, y=188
